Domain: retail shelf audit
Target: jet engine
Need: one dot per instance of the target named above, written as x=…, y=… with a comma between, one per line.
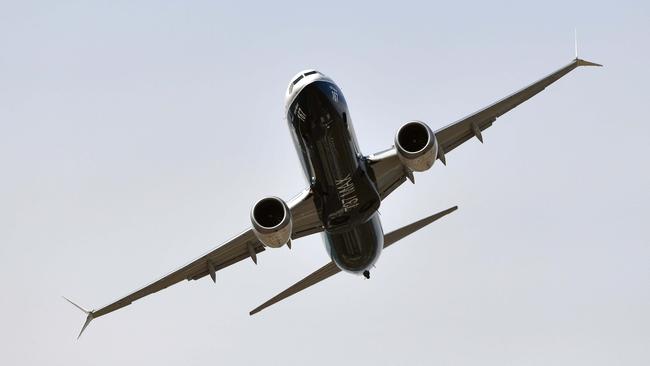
x=271, y=219
x=417, y=147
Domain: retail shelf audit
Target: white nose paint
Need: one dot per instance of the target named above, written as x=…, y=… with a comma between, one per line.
x=299, y=81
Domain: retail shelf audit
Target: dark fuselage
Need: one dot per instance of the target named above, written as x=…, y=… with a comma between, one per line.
x=345, y=195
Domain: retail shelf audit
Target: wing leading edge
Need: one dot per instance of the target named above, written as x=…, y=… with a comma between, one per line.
x=456, y=133
x=390, y=173
x=245, y=245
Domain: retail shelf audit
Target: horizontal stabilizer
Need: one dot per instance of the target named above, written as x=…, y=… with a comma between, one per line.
x=331, y=269
x=324, y=272
x=407, y=230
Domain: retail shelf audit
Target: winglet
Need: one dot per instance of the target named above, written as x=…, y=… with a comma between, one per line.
x=89, y=314
x=586, y=63
x=575, y=39
x=579, y=61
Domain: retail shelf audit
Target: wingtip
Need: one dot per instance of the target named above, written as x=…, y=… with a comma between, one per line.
x=89, y=315
x=89, y=318
x=582, y=62
x=76, y=305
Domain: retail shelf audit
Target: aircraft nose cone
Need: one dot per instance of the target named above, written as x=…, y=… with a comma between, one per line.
x=299, y=81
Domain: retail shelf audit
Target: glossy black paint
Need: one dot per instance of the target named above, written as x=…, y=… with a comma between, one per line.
x=357, y=249
x=345, y=195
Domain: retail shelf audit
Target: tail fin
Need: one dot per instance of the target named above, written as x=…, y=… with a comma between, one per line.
x=89, y=315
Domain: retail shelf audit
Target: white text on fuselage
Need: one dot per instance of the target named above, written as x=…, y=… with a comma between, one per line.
x=335, y=94
x=298, y=111
x=347, y=194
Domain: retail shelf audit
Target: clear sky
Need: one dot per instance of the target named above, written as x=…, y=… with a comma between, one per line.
x=134, y=136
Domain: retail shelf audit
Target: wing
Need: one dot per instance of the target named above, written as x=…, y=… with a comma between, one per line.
x=453, y=135
x=245, y=245
x=389, y=172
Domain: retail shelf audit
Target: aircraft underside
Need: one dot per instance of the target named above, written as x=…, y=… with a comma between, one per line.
x=345, y=188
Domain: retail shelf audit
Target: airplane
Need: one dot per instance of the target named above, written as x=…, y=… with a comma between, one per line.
x=345, y=187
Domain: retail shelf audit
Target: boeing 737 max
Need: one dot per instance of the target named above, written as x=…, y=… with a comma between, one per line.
x=345, y=187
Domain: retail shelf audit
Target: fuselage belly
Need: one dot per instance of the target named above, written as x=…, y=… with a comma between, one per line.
x=345, y=195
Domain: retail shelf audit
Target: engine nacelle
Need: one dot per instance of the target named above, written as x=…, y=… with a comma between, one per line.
x=271, y=219
x=417, y=147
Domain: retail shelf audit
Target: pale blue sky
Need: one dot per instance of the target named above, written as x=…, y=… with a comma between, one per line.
x=135, y=135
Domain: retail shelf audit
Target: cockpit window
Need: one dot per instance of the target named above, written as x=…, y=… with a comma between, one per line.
x=297, y=79
x=311, y=73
